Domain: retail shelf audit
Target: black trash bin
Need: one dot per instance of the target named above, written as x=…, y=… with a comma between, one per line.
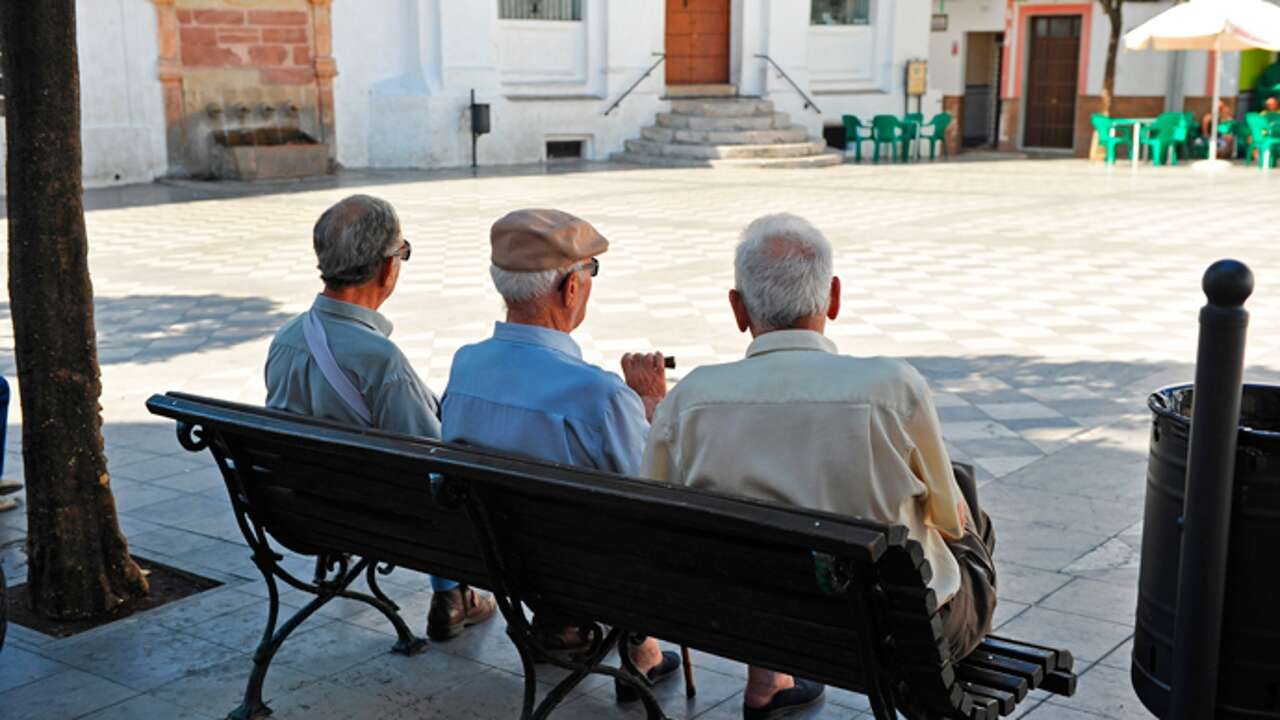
x=1249, y=673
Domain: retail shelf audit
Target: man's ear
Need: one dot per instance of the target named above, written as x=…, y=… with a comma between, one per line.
x=386, y=271
x=739, y=310
x=833, y=308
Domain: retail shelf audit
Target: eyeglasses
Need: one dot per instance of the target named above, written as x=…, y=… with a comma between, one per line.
x=404, y=252
x=593, y=265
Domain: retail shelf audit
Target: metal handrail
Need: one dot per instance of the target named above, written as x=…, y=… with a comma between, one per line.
x=634, y=85
x=808, y=101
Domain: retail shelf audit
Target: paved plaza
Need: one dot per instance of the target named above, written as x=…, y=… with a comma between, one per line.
x=1043, y=299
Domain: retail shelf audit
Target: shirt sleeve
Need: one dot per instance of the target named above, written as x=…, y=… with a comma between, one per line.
x=624, y=432
x=659, y=451
x=408, y=407
x=945, y=508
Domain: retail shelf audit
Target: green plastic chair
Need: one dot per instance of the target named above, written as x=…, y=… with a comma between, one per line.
x=1238, y=130
x=886, y=130
x=1110, y=136
x=912, y=123
x=1163, y=136
x=937, y=133
x=855, y=134
x=1264, y=136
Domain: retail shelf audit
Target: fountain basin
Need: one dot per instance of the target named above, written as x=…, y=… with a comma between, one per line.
x=267, y=153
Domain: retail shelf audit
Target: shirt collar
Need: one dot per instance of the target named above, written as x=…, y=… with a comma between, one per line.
x=359, y=313
x=780, y=340
x=537, y=335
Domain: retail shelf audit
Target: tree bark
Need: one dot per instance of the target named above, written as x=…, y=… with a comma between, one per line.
x=1114, y=12
x=78, y=560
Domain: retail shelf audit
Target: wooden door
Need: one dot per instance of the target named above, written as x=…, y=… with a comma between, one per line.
x=1052, y=76
x=697, y=42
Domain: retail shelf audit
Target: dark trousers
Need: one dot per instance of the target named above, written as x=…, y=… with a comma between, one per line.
x=966, y=618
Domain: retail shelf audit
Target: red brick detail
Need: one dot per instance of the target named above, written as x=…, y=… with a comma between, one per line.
x=261, y=55
x=204, y=55
x=284, y=35
x=197, y=36
x=238, y=36
x=301, y=55
x=218, y=17
x=277, y=17
x=291, y=76
x=184, y=16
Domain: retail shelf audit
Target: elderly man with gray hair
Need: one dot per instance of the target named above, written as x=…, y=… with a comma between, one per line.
x=796, y=423
x=527, y=390
x=337, y=362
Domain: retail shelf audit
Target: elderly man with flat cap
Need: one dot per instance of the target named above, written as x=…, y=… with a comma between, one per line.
x=336, y=361
x=527, y=389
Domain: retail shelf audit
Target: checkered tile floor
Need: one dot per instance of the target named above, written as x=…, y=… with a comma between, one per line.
x=1042, y=299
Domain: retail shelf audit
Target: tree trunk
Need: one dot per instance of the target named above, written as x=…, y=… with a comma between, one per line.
x=78, y=560
x=1114, y=13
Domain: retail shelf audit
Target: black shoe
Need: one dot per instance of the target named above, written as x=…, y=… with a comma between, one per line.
x=804, y=694
x=665, y=669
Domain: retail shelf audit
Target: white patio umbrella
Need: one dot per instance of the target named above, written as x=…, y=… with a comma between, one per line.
x=1217, y=25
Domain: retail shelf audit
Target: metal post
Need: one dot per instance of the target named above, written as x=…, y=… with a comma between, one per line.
x=1206, y=514
x=473, y=128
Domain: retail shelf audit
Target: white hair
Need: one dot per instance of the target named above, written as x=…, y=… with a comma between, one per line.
x=782, y=269
x=517, y=287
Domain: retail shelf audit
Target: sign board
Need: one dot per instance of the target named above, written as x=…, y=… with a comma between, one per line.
x=917, y=77
x=938, y=23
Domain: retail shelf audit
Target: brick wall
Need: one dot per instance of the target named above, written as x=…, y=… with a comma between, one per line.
x=275, y=43
x=229, y=65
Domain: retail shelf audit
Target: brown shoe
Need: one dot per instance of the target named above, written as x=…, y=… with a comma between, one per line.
x=453, y=611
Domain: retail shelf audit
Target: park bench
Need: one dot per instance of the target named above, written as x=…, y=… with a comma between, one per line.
x=841, y=600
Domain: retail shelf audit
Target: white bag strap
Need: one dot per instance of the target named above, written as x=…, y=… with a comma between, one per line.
x=318, y=343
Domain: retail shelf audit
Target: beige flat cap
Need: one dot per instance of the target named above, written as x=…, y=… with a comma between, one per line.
x=537, y=239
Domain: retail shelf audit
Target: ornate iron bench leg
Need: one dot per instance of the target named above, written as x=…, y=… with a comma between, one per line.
x=406, y=642
x=638, y=680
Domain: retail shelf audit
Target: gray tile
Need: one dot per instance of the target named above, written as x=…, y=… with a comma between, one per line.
x=19, y=667
x=62, y=696
x=217, y=689
x=188, y=613
x=241, y=629
x=1024, y=584
x=407, y=680
x=329, y=648
x=1105, y=601
x=1087, y=639
x=139, y=655
x=144, y=707
x=1107, y=692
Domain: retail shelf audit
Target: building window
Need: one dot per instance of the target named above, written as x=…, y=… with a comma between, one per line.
x=840, y=12
x=540, y=9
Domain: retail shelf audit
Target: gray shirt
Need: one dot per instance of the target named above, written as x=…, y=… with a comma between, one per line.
x=359, y=339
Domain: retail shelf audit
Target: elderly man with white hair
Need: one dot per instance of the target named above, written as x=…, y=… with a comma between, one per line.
x=336, y=361
x=796, y=423
x=528, y=391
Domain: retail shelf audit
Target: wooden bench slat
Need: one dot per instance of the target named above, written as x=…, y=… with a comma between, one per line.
x=996, y=679
x=1006, y=700
x=984, y=708
x=1060, y=682
x=1046, y=658
x=1033, y=673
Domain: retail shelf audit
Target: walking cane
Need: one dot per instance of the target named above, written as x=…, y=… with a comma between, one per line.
x=689, y=688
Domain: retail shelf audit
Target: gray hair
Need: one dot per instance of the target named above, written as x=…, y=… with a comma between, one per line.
x=352, y=238
x=518, y=287
x=782, y=269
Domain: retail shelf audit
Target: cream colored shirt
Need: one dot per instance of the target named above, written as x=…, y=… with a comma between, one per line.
x=798, y=424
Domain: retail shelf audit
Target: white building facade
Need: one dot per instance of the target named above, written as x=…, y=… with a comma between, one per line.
x=549, y=69
x=388, y=83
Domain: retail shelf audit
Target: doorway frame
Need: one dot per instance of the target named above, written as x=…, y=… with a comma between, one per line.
x=734, y=60
x=1022, y=47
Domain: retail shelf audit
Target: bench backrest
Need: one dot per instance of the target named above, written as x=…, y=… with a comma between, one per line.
x=809, y=592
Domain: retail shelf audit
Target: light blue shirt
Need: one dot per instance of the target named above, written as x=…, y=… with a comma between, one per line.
x=360, y=341
x=528, y=391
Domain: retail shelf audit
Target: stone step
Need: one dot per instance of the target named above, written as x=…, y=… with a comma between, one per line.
x=824, y=159
x=743, y=122
x=732, y=107
x=725, y=137
x=711, y=152
x=701, y=91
